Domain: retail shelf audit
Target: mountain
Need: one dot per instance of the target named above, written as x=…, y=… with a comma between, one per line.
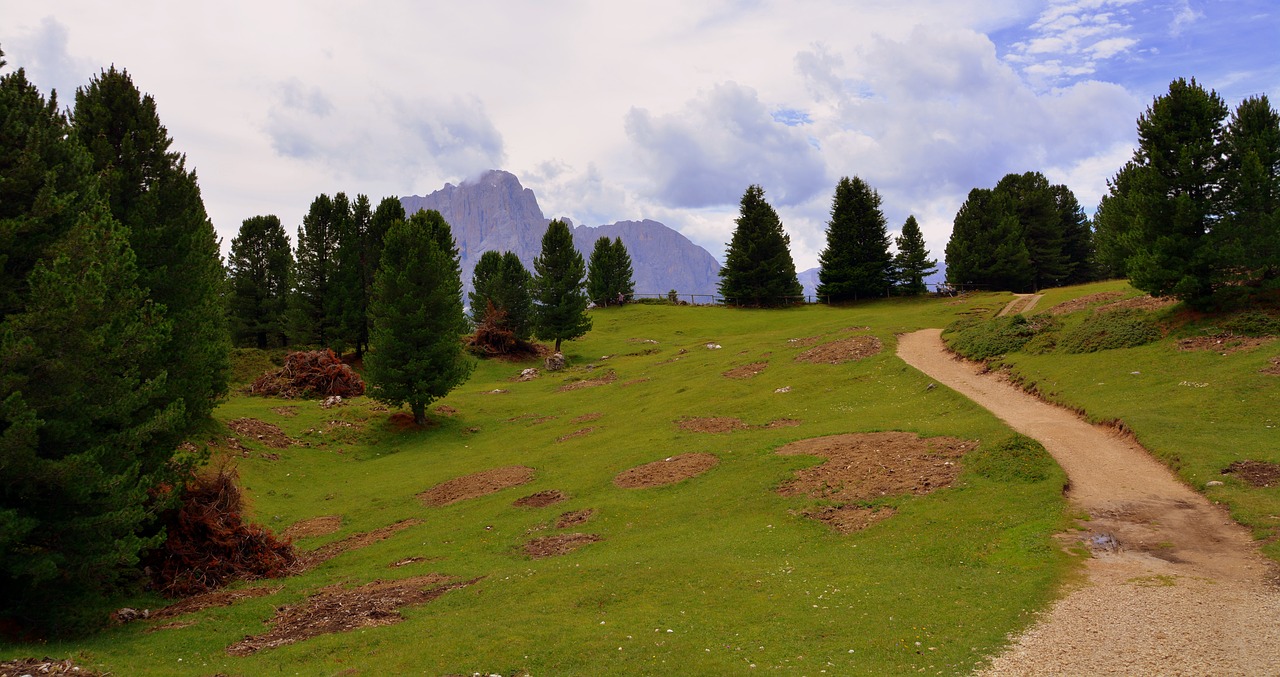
x=495, y=213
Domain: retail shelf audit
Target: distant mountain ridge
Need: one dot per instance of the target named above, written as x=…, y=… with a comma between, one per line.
x=495, y=213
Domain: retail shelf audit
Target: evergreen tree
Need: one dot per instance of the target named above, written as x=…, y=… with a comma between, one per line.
x=1250, y=233
x=758, y=267
x=259, y=268
x=153, y=195
x=1175, y=194
x=986, y=248
x=1077, y=237
x=1113, y=223
x=373, y=228
x=484, y=281
x=345, y=303
x=513, y=294
x=316, y=244
x=856, y=262
x=1033, y=203
x=86, y=430
x=560, y=311
x=912, y=263
x=416, y=316
x=609, y=273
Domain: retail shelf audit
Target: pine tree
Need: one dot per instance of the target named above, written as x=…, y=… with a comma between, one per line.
x=1175, y=196
x=986, y=248
x=86, y=430
x=856, y=262
x=345, y=303
x=484, y=281
x=416, y=316
x=154, y=196
x=758, y=269
x=513, y=294
x=609, y=273
x=1077, y=237
x=316, y=244
x=1114, y=225
x=623, y=273
x=259, y=269
x=1250, y=233
x=912, y=263
x=560, y=311
x=1033, y=204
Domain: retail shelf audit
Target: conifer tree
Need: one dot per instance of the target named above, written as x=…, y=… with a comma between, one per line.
x=416, y=316
x=345, y=304
x=513, y=293
x=758, y=269
x=484, y=281
x=986, y=249
x=912, y=264
x=157, y=199
x=560, y=310
x=624, y=272
x=1113, y=223
x=259, y=268
x=1250, y=233
x=1033, y=203
x=316, y=244
x=609, y=273
x=856, y=262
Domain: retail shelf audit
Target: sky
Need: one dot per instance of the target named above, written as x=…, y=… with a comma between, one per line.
x=664, y=110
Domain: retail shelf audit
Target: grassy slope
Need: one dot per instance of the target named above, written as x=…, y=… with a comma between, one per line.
x=1196, y=410
x=708, y=576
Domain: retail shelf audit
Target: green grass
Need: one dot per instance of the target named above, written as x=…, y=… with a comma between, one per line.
x=709, y=576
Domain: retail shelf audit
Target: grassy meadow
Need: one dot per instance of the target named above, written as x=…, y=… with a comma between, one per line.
x=717, y=574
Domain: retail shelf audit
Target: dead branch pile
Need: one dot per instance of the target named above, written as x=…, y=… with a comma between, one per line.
x=494, y=337
x=315, y=373
x=208, y=543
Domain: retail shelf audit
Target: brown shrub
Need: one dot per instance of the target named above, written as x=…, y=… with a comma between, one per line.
x=315, y=373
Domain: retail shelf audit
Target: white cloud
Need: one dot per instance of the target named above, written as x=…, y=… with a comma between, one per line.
x=1185, y=17
x=44, y=55
x=1069, y=40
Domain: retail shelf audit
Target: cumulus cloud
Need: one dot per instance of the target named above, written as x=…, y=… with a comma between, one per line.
x=44, y=55
x=1070, y=38
x=584, y=196
x=383, y=135
x=723, y=140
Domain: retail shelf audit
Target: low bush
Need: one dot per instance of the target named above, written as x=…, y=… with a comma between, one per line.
x=1108, y=330
x=1253, y=323
x=983, y=340
x=1016, y=458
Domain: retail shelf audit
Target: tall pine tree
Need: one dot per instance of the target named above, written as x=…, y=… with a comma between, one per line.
x=157, y=199
x=986, y=249
x=1250, y=233
x=758, y=268
x=1033, y=203
x=609, y=273
x=856, y=262
x=416, y=316
x=560, y=310
x=912, y=264
x=309, y=317
x=259, y=268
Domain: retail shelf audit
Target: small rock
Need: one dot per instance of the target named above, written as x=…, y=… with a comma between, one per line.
x=713, y=346
x=783, y=389
x=1214, y=483
x=931, y=386
x=528, y=374
x=554, y=362
x=331, y=401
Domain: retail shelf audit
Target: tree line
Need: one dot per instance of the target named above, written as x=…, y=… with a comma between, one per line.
x=855, y=264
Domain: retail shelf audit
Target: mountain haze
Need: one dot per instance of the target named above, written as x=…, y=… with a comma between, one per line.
x=495, y=213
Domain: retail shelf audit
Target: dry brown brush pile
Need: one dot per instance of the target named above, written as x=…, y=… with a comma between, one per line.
x=314, y=373
x=494, y=336
x=208, y=544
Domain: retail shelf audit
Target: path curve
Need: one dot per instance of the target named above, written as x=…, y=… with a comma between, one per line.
x=1183, y=592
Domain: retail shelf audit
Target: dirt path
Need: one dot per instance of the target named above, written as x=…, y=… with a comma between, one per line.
x=1175, y=587
x=1022, y=303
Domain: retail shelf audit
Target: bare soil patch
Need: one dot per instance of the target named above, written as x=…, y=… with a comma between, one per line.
x=560, y=544
x=338, y=609
x=210, y=600
x=445, y=410
x=606, y=379
x=316, y=526
x=1144, y=302
x=266, y=433
x=587, y=418
x=1256, y=473
x=532, y=419
x=44, y=666
x=288, y=411
x=783, y=423
x=402, y=421
x=1084, y=302
x=541, y=499
x=412, y=560
x=577, y=433
x=746, y=370
x=870, y=465
x=847, y=519
x=1273, y=367
x=1225, y=343
x=712, y=424
x=667, y=471
x=844, y=350
x=476, y=485
x=575, y=518
x=803, y=342
x=309, y=560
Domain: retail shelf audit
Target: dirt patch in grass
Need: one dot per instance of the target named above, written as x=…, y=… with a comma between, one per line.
x=847, y=519
x=1084, y=302
x=574, y=518
x=1273, y=367
x=746, y=370
x=337, y=609
x=316, y=526
x=1144, y=302
x=209, y=600
x=667, y=471
x=632, y=382
x=577, y=433
x=532, y=419
x=402, y=421
x=541, y=499
x=44, y=666
x=803, y=342
x=865, y=466
x=561, y=544
x=287, y=411
x=1256, y=473
x=310, y=560
x=712, y=424
x=606, y=379
x=1223, y=343
x=446, y=410
x=412, y=560
x=269, y=434
x=587, y=418
x=782, y=423
x=476, y=485
x=844, y=350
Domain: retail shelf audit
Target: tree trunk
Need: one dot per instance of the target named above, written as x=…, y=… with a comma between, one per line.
x=419, y=410
x=557, y=345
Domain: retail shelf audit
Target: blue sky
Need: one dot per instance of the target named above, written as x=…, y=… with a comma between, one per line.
x=664, y=110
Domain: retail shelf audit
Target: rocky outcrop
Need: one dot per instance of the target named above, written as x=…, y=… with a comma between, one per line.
x=495, y=213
